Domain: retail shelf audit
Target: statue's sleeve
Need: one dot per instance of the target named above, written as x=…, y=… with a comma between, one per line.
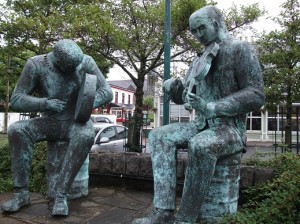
x=177, y=92
x=249, y=95
x=21, y=99
x=103, y=92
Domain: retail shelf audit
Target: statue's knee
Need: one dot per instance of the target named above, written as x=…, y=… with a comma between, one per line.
x=153, y=134
x=15, y=129
x=85, y=136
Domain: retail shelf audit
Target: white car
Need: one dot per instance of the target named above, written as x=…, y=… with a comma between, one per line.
x=100, y=119
x=110, y=138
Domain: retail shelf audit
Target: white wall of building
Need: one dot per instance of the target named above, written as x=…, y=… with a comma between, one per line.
x=119, y=94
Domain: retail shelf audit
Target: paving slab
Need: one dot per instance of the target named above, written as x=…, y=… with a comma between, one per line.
x=105, y=205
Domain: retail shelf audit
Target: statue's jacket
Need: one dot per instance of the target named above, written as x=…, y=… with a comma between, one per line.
x=40, y=81
x=232, y=88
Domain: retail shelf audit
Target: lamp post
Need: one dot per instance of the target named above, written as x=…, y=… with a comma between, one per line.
x=167, y=50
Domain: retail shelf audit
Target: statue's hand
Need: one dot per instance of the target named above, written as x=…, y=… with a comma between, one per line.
x=55, y=105
x=171, y=86
x=196, y=102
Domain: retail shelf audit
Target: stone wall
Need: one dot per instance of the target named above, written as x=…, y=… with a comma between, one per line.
x=138, y=166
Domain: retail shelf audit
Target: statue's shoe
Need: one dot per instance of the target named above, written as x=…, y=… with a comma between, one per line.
x=19, y=199
x=158, y=216
x=60, y=207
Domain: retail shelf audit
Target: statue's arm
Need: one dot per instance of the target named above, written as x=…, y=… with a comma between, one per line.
x=250, y=95
x=103, y=93
x=21, y=99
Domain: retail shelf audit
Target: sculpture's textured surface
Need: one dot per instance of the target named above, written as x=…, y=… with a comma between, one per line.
x=50, y=84
x=231, y=88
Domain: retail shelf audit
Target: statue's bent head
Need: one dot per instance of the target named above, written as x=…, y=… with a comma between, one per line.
x=68, y=55
x=207, y=25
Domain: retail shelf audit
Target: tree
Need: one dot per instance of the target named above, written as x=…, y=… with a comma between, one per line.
x=30, y=28
x=280, y=55
x=34, y=26
x=148, y=102
x=125, y=32
x=10, y=68
x=131, y=35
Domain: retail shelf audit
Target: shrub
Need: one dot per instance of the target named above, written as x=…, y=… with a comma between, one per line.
x=277, y=201
x=5, y=168
x=37, y=182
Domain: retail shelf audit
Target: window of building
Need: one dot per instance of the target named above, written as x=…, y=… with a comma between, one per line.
x=254, y=121
x=123, y=98
x=277, y=121
x=116, y=97
x=128, y=99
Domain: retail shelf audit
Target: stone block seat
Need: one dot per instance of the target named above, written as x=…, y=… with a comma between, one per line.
x=223, y=194
x=56, y=151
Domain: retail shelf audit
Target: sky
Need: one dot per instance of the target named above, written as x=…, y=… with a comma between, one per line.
x=264, y=24
x=271, y=6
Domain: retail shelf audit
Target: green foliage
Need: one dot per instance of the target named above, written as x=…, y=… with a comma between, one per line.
x=149, y=102
x=277, y=201
x=36, y=25
x=5, y=168
x=241, y=16
x=280, y=55
x=37, y=182
x=10, y=68
x=129, y=33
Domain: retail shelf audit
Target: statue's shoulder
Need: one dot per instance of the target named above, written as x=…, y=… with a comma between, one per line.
x=235, y=43
x=86, y=58
x=38, y=58
x=36, y=62
x=238, y=46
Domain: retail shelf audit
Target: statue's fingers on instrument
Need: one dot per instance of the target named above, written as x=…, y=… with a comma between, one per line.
x=192, y=95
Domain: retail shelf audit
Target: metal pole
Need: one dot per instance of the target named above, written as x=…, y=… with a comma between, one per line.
x=297, y=143
x=167, y=50
x=282, y=127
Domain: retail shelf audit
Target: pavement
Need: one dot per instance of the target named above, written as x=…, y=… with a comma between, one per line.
x=103, y=205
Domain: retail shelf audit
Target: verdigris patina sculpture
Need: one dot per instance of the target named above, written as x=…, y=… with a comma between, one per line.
x=51, y=84
x=223, y=84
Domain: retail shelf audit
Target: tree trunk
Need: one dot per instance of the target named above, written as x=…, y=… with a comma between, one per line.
x=288, y=130
x=136, y=124
x=288, y=126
